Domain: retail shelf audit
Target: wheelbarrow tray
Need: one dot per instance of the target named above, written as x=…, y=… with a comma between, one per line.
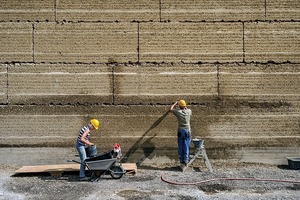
x=100, y=164
x=104, y=162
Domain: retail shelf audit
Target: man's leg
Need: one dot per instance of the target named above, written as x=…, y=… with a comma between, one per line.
x=180, y=141
x=186, y=146
x=186, y=149
x=82, y=155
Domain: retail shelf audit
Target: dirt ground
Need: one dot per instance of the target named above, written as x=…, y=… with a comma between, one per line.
x=147, y=183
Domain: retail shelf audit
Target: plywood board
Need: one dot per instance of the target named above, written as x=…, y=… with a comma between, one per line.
x=52, y=169
x=55, y=170
x=131, y=168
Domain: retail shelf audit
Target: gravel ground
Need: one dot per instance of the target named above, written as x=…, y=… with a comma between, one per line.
x=147, y=184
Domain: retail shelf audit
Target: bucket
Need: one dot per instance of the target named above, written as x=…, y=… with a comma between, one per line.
x=294, y=163
x=198, y=143
x=91, y=151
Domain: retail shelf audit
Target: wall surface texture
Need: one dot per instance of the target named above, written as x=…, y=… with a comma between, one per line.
x=235, y=62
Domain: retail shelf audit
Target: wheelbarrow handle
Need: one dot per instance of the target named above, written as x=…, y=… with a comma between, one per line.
x=76, y=162
x=79, y=163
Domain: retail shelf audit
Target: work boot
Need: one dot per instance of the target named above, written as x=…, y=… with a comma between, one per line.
x=84, y=178
x=184, y=163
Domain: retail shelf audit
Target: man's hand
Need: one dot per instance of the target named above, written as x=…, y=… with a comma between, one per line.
x=174, y=104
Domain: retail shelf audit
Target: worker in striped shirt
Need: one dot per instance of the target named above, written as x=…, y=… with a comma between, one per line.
x=85, y=147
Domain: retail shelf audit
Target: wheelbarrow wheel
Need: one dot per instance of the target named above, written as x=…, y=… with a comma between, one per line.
x=116, y=172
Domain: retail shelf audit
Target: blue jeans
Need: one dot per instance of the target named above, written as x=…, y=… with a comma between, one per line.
x=183, y=140
x=83, y=154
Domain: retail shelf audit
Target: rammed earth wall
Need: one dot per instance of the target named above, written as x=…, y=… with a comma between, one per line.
x=235, y=62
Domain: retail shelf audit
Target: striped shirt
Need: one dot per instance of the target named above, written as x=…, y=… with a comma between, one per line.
x=80, y=135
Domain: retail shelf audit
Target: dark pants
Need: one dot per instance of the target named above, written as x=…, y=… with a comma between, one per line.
x=83, y=154
x=183, y=140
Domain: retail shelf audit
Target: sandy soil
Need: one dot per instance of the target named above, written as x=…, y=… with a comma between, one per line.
x=147, y=184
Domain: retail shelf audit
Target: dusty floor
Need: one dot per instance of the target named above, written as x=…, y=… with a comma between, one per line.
x=147, y=184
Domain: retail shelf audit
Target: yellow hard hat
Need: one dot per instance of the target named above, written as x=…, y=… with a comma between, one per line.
x=182, y=103
x=95, y=123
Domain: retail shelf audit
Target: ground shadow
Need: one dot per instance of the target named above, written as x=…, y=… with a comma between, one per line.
x=173, y=168
x=147, y=145
x=285, y=167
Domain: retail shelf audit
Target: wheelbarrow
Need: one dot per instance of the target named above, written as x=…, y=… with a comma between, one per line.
x=101, y=164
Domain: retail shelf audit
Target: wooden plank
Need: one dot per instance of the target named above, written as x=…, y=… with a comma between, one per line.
x=131, y=168
x=48, y=168
x=57, y=170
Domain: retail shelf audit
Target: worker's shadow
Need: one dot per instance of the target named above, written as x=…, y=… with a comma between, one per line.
x=147, y=145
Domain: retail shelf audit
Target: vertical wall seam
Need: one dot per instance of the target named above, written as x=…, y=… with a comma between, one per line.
x=113, y=85
x=243, y=36
x=138, y=42
x=218, y=80
x=160, y=7
x=55, y=10
x=7, y=85
x=265, y=9
x=33, y=43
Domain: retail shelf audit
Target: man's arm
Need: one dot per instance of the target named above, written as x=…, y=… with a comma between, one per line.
x=173, y=106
